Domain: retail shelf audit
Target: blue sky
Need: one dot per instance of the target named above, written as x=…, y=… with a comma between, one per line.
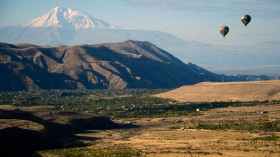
x=188, y=19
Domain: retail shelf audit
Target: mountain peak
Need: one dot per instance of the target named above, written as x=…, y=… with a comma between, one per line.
x=61, y=17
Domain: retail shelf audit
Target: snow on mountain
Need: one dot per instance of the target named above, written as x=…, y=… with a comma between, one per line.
x=65, y=26
x=68, y=18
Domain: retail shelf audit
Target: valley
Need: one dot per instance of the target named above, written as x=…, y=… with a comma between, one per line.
x=132, y=122
x=139, y=78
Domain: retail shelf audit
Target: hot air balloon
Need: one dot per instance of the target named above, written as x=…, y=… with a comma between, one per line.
x=224, y=30
x=246, y=19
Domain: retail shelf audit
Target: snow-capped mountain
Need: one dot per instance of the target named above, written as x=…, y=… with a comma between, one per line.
x=65, y=26
x=61, y=17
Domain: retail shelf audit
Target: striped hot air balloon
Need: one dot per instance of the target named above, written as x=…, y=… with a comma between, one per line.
x=224, y=30
x=246, y=19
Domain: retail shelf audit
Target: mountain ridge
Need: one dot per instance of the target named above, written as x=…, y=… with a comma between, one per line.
x=258, y=59
x=129, y=64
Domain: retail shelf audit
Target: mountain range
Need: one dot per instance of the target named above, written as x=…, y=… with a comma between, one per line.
x=129, y=64
x=65, y=26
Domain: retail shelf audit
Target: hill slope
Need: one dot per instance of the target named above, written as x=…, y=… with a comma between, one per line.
x=65, y=26
x=130, y=64
x=230, y=91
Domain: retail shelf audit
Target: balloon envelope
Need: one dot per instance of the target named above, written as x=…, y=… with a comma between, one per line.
x=246, y=19
x=224, y=30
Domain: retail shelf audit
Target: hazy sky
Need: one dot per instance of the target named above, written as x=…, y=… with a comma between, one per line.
x=188, y=19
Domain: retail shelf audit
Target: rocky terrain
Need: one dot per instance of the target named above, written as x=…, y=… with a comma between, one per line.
x=129, y=64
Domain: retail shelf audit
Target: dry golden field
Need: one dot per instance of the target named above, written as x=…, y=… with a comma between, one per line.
x=171, y=137
x=157, y=137
x=226, y=91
